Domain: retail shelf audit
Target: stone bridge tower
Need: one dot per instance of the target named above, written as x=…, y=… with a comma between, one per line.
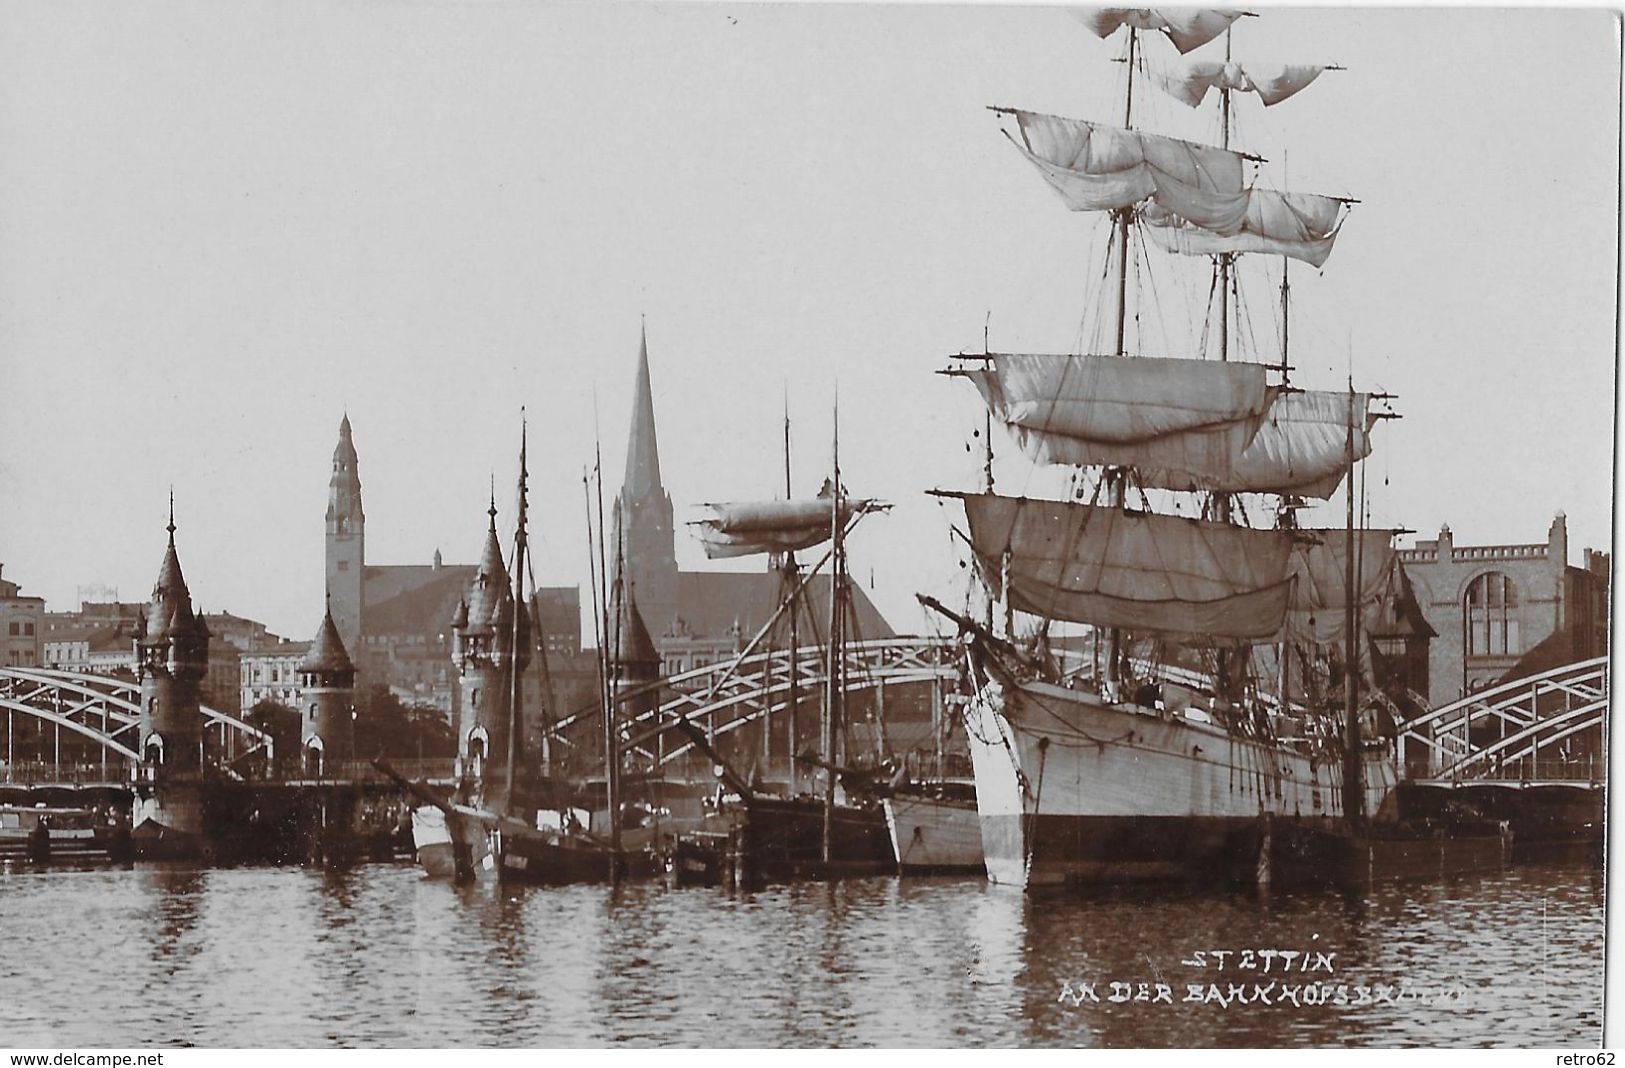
x=484, y=631
x=172, y=657
x=327, y=720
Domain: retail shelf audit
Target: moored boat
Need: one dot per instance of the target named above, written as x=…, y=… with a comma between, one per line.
x=935, y=828
x=42, y=833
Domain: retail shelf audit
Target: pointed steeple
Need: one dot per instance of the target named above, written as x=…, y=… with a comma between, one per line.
x=642, y=481
x=171, y=605
x=644, y=533
x=490, y=586
x=344, y=488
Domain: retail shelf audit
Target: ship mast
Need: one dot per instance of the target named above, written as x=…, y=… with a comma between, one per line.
x=1115, y=477
x=1225, y=258
x=516, y=719
x=1353, y=784
x=835, y=656
x=612, y=733
x=788, y=581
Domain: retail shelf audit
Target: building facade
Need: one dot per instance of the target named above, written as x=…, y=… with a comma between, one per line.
x=1500, y=611
x=22, y=626
x=271, y=673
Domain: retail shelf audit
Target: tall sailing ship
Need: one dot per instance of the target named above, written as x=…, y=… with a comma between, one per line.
x=1120, y=772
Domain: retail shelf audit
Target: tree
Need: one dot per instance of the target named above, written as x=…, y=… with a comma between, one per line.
x=389, y=727
x=280, y=722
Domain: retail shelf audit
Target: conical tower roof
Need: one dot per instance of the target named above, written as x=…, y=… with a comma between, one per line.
x=634, y=647
x=327, y=652
x=170, y=611
x=490, y=586
x=642, y=451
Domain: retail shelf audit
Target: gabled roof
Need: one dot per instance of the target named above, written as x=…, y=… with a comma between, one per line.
x=711, y=603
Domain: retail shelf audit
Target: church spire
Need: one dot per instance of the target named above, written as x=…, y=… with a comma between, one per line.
x=642, y=480
x=644, y=533
x=344, y=487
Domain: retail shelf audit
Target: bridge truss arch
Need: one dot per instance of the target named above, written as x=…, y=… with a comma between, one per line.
x=724, y=697
x=103, y=709
x=1530, y=720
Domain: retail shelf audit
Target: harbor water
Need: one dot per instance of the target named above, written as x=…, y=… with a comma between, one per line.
x=378, y=955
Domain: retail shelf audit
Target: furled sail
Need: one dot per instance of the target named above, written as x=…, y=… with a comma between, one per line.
x=1317, y=611
x=1102, y=168
x=749, y=527
x=1300, y=225
x=1181, y=424
x=1187, y=28
x=1273, y=84
x=1146, y=572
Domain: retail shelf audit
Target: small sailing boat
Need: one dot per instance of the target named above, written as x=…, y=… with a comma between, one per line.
x=492, y=825
x=1120, y=774
x=768, y=837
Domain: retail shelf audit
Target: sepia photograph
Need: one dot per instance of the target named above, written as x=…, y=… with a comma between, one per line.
x=804, y=525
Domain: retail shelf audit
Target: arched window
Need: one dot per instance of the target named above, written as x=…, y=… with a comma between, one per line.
x=1492, y=616
x=155, y=749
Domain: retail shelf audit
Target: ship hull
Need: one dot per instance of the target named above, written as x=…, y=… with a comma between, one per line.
x=932, y=834
x=1070, y=790
x=448, y=847
x=479, y=848
x=776, y=839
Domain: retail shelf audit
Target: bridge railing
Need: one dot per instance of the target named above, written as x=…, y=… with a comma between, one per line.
x=36, y=773
x=31, y=772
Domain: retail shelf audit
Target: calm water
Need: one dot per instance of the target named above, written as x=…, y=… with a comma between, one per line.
x=380, y=956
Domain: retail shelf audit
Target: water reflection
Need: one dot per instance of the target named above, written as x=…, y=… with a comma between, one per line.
x=380, y=956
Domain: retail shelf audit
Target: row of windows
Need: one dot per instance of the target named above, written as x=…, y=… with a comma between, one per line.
x=25, y=628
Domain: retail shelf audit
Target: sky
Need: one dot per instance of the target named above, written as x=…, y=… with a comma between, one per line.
x=225, y=226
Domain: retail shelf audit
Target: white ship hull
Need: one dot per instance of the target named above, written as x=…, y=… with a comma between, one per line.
x=1071, y=790
x=934, y=834
x=437, y=847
